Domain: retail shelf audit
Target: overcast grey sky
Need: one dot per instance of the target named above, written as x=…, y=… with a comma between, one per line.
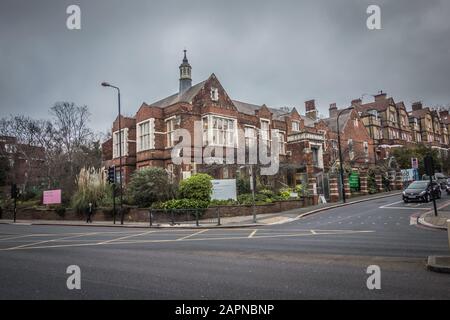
x=280, y=53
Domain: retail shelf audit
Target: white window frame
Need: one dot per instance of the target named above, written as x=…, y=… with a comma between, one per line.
x=366, y=148
x=170, y=129
x=250, y=139
x=224, y=137
x=124, y=138
x=214, y=94
x=150, y=135
x=297, y=124
x=281, y=141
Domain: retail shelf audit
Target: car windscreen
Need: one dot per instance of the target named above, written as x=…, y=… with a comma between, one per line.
x=418, y=185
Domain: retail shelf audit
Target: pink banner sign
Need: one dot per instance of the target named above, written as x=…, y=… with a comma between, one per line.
x=52, y=197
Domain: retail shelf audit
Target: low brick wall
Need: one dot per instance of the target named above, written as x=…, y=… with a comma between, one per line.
x=142, y=215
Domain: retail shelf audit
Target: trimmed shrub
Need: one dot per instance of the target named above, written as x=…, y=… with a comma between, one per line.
x=148, y=186
x=285, y=193
x=185, y=204
x=198, y=186
x=228, y=202
x=243, y=185
x=267, y=192
x=247, y=199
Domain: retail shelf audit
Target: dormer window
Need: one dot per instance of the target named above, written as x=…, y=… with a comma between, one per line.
x=295, y=126
x=214, y=94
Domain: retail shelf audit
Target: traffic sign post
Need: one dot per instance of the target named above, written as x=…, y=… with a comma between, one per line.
x=429, y=170
x=14, y=192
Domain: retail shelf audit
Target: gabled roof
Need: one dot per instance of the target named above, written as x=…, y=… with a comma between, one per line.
x=343, y=119
x=420, y=113
x=250, y=109
x=175, y=98
x=380, y=105
x=308, y=121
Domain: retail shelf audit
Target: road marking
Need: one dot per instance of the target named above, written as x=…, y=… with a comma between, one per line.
x=47, y=241
x=127, y=237
x=307, y=233
x=17, y=237
x=253, y=233
x=407, y=207
x=191, y=235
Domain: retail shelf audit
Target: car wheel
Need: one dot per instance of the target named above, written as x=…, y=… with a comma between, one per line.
x=426, y=198
x=405, y=201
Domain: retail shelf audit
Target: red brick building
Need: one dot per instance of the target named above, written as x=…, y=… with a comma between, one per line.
x=150, y=136
x=25, y=162
x=391, y=126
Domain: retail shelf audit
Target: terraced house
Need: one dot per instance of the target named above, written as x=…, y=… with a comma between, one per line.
x=390, y=125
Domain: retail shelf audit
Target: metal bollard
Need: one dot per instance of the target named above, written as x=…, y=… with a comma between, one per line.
x=218, y=216
x=448, y=232
x=150, y=216
x=196, y=218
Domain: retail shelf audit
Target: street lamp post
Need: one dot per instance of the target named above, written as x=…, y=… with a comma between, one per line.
x=341, y=167
x=106, y=84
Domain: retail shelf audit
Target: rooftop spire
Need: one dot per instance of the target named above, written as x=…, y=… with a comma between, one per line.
x=185, y=74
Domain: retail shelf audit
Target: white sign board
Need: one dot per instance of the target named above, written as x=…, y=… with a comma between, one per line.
x=224, y=189
x=408, y=174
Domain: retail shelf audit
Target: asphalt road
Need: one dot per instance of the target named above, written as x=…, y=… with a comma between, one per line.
x=323, y=256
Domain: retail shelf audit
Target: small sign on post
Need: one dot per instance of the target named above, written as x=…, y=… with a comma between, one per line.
x=52, y=197
x=414, y=163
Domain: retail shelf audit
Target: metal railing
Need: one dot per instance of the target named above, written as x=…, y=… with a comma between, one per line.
x=182, y=217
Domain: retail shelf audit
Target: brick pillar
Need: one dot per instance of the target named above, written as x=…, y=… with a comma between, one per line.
x=399, y=180
x=379, y=182
x=348, y=193
x=363, y=181
x=392, y=180
x=334, y=191
x=312, y=185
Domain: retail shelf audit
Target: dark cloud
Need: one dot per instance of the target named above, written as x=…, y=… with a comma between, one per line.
x=274, y=52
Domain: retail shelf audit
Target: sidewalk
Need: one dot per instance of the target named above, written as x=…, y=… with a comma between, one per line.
x=226, y=222
x=440, y=222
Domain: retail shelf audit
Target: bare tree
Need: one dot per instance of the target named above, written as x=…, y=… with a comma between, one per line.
x=71, y=126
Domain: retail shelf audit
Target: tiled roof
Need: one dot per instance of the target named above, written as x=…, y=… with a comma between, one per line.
x=175, y=98
x=420, y=113
x=380, y=105
x=250, y=109
x=343, y=119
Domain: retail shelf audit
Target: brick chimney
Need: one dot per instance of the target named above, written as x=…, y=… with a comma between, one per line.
x=417, y=106
x=311, y=111
x=380, y=96
x=333, y=110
